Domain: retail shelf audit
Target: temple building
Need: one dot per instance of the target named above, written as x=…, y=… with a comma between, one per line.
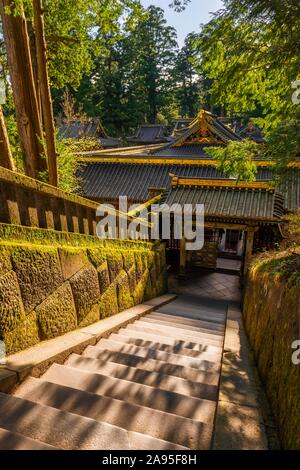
x=148, y=134
x=180, y=125
x=251, y=131
x=240, y=218
x=90, y=129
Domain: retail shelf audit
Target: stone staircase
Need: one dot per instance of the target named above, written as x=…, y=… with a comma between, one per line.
x=151, y=386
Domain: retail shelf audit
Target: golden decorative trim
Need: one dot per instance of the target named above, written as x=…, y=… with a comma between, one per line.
x=198, y=182
x=172, y=161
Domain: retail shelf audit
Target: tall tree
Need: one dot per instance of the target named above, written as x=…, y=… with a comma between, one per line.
x=44, y=89
x=23, y=85
x=190, y=93
x=6, y=158
x=155, y=46
x=250, y=50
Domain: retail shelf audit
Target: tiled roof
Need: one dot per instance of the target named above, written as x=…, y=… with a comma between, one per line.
x=251, y=131
x=149, y=134
x=88, y=129
x=109, y=180
x=229, y=203
x=189, y=151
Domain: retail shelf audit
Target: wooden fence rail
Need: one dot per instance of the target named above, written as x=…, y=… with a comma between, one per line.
x=28, y=202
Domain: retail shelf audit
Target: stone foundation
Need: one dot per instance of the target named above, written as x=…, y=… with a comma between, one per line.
x=271, y=313
x=48, y=290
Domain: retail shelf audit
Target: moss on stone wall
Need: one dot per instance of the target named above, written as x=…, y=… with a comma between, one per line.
x=115, y=264
x=25, y=335
x=272, y=319
x=11, y=305
x=86, y=291
x=38, y=271
x=5, y=263
x=125, y=300
x=46, y=291
x=109, y=302
x=57, y=314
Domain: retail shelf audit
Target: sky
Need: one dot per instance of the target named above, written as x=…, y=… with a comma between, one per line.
x=197, y=12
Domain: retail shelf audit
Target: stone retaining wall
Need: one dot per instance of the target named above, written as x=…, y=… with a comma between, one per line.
x=48, y=290
x=272, y=320
x=207, y=257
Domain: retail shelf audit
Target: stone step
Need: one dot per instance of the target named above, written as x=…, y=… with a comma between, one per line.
x=69, y=431
x=155, y=365
x=174, y=333
x=171, y=348
x=179, y=330
x=178, y=320
x=178, y=359
x=14, y=441
x=144, y=395
x=168, y=340
x=148, y=421
x=181, y=326
x=194, y=313
x=206, y=386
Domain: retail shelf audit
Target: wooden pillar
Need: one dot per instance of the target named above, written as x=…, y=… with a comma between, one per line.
x=23, y=86
x=183, y=257
x=43, y=80
x=6, y=158
x=248, y=250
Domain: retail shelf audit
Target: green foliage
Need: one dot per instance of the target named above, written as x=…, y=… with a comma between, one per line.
x=67, y=162
x=77, y=31
x=283, y=146
x=134, y=81
x=189, y=86
x=250, y=52
x=179, y=5
x=292, y=234
x=236, y=159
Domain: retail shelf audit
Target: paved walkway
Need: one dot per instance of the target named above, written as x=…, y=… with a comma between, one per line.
x=165, y=381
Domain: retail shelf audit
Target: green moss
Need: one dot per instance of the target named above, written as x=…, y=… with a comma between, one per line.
x=144, y=256
x=103, y=276
x=86, y=291
x=70, y=280
x=38, y=271
x=125, y=299
x=139, y=292
x=5, y=263
x=91, y=317
x=115, y=264
x=271, y=317
x=11, y=305
x=109, y=302
x=97, y=256
x=150, y=291
x=128, y=260
x=151, y=259
x=72, y=260
x=285, y=266
x=57, y=314
x=132, y=279
x=139, y=266
x=24, y=336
